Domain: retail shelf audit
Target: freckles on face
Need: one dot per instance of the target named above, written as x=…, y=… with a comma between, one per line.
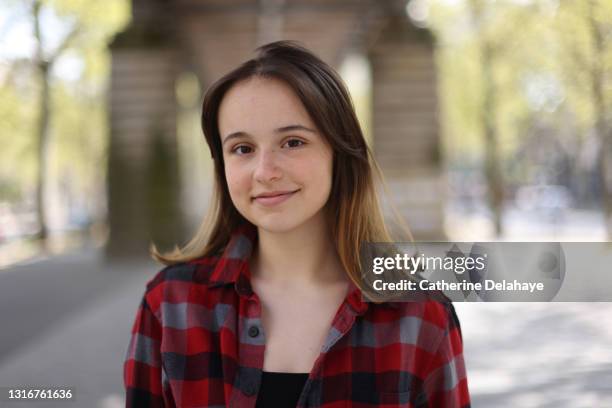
x=278, y=166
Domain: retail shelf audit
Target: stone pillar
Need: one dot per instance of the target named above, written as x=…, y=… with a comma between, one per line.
x=143, y=171
x=405, y=124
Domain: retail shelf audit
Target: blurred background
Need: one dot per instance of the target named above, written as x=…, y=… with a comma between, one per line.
x=491, y=120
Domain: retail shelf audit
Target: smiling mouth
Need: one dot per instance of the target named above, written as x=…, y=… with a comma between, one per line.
x=273, y=200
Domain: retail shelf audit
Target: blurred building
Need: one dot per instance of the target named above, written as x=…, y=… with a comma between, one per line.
x=210, y=37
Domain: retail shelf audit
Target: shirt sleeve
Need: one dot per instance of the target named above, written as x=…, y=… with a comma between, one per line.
x=446, y=382
x=142, y=368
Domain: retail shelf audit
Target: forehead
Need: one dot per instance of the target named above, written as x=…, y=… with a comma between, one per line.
x=260, y=104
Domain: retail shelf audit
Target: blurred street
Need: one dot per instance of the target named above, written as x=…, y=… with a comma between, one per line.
x=66, y=323
x=539, y=355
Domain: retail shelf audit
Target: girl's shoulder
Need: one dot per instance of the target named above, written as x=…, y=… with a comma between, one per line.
x=197, y=271
x=434, y=315
x=180, y=282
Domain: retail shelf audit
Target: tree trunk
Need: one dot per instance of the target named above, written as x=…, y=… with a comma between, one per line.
x=492, y=167
x=488, y=113
x=604, y=133
x=43, y=62
x=42, y=133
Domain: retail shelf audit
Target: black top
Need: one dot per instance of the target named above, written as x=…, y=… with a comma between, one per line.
x=280, y=390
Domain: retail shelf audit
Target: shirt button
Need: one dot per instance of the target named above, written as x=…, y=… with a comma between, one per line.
x=253, y=331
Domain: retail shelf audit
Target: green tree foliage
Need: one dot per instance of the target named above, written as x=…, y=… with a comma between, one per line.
x=546, y=60
x=74, y=35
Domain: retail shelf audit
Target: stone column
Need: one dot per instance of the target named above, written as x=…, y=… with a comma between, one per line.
x=143, y=174
x=405, y=124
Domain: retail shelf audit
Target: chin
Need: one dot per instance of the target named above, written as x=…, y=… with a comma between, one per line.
x=277, y=224
x=282, y=220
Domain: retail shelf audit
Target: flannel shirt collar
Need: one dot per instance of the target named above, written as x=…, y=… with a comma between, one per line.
x=232, y=267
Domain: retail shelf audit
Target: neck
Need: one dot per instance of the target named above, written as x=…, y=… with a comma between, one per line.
x=304, y=255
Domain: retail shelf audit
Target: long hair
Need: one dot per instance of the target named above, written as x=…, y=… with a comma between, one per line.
x=353, y=207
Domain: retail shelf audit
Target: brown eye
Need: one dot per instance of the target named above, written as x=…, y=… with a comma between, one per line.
x=295, y=143
x=242, y=149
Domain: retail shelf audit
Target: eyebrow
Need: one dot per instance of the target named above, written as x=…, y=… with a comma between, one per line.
x=289, y=128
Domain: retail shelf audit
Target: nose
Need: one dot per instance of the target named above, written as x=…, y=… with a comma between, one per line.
x=267, y=168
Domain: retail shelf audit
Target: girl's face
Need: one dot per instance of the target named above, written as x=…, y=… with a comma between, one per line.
x=278, y=166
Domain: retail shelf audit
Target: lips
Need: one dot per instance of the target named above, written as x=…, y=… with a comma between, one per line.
x=275, y=193
x=274, y=198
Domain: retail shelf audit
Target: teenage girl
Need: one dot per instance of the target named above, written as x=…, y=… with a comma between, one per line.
x=264, y=306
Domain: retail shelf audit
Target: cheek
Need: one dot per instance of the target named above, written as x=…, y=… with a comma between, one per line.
x=326, y=169
x=319, y=172
x=237, y=182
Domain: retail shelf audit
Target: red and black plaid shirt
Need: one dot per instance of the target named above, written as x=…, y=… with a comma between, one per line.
x=198, y=341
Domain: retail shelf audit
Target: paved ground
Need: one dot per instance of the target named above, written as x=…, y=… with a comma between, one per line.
x=68, y=325
x=540, y=355
x=66, y=321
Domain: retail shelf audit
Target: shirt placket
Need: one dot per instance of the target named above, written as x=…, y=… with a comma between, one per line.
x=251, y=349
x=341, y=325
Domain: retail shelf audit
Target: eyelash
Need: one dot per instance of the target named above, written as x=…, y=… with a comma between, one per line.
x=235, y=149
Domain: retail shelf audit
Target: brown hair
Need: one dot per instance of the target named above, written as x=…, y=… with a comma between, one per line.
x=353, y=207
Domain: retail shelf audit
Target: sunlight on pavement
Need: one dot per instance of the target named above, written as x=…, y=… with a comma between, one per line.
x=112, y=401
